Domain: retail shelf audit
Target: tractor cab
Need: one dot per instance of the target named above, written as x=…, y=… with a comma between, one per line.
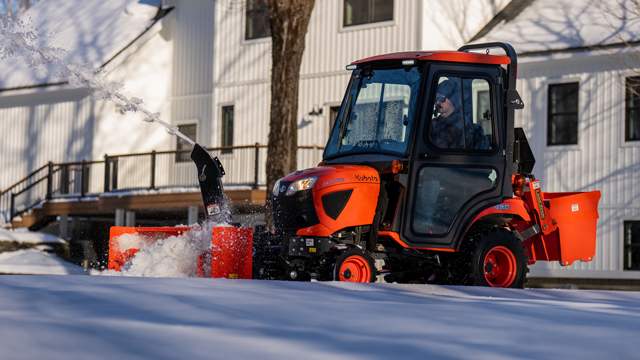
x=438, y=115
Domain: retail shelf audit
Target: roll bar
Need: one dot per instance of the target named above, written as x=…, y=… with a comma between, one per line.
x=512, y=68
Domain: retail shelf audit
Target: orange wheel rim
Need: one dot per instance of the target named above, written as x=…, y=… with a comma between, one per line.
x=500, y=267
x=355, y=269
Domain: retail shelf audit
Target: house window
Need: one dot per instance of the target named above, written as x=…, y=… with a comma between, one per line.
x=358, y=12
x=632, y=245
x=227, y=128
x=258, y=24
x=188, y=130
x=562, y=121
x=632, y=113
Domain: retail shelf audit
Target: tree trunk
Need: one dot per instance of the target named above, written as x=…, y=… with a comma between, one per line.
x=289, y=22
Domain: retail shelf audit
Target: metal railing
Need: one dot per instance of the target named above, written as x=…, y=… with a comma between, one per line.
x=244, y=166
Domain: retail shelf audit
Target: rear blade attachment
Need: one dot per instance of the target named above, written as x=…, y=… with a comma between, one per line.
x=210, y=172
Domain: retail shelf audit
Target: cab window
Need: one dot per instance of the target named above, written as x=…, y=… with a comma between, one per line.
x=462, y=116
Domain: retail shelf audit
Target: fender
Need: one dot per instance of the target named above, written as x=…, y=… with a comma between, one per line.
x=515, y=206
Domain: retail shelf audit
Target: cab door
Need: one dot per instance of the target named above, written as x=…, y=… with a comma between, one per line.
x=458, y=165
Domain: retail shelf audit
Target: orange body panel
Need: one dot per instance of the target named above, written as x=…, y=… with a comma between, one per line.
x=361, y=207
x=454, y=56
x=513, y=206
x=231, y=252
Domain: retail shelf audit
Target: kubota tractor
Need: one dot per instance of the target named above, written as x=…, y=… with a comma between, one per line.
x=424, y=179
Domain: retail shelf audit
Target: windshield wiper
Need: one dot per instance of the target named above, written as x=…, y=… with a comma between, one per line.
x=348, y=111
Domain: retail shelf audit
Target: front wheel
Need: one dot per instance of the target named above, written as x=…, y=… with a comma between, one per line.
x=355, y=265
x=499, y=260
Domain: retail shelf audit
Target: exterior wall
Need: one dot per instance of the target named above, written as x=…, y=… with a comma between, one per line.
x=450, y=24
x=242, y=68
x=63, y=125
x=145, y=74
x=601, y=160
x=44, y=126
x=192, y=72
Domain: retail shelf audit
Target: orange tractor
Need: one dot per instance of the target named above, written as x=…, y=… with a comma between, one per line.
x=424, y=179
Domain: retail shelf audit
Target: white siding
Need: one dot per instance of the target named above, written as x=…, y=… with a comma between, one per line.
x=601, y=160
x=243, y=68
x=42, y=127
x=192, y=71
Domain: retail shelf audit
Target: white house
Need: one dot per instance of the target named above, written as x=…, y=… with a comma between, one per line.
x=581, y=118
x=205, y=66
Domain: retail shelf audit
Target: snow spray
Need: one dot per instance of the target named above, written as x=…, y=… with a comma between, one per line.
x=18, y=39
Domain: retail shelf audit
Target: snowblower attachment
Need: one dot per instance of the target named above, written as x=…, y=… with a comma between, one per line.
x=230, y=254
x=210, y=171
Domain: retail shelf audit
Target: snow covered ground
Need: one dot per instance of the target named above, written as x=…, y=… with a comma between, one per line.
x=102, y=317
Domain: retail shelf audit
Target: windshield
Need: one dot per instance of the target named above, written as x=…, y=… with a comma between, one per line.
x=377, y=113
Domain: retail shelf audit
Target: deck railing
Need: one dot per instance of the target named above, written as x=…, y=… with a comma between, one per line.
x=244, y=166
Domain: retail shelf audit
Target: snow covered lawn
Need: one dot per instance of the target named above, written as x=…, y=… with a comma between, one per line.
x=103, y=317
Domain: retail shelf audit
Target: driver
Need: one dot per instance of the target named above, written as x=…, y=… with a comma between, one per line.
x=448, y=129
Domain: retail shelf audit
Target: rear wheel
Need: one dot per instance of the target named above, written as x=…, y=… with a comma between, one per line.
x=354, y=265
x=499, y=260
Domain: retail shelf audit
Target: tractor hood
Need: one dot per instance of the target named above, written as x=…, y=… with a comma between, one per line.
x=332, y=175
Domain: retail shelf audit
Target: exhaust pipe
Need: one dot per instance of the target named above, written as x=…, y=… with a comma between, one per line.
x=210, y=171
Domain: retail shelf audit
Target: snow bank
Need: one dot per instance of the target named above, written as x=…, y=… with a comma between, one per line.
x=23, y=235
x=98, y=317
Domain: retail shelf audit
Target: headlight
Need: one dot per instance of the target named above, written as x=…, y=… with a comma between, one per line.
x=276, y=187
x=302, y=184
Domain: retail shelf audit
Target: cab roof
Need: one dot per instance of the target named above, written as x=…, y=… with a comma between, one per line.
x=454, y=56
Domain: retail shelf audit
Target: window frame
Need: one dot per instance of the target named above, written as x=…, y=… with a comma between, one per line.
x=244, y=27
x=329, y=106
x=627, y=109
x=177, y=158
x=495, y=138
x=378, y=24
x=625, y=246
x=222, y=133
x=578, y=113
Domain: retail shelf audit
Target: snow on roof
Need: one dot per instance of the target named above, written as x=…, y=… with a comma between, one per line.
x=23, y=235
x=90, y=31
x=550, y=25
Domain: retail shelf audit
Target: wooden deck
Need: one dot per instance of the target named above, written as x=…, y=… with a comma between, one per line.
x=106, y=205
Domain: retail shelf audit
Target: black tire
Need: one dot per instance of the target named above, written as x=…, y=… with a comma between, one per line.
x=498, y=260
x=355, y=265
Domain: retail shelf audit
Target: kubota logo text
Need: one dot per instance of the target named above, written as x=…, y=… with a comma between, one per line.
x=366, y=178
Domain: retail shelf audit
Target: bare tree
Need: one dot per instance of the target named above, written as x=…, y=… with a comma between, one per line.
x=289, y=23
